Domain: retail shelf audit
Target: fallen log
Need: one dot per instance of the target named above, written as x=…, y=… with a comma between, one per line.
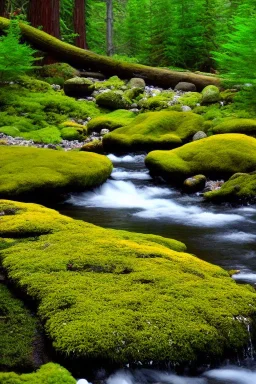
x=84, y=59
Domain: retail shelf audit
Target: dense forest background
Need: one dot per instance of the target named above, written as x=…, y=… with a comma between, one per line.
x=168, y=33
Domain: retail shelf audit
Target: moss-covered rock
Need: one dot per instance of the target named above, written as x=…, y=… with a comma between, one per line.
x=112, y=83
x=133, y=93
x=41, y=172
x=70, y=133
x=112, y=100
x=78, y=87
x=111, y=121
x=17, y=330
x=215, y=156
x=48, y=374
x=240, y=188
x=152, y=130
x=120, y=296
x=194, y=184
x=247, y=126
x=137, y=82
x=93, y=146
x=210, y=94
x=155, y=103
x=58, y=70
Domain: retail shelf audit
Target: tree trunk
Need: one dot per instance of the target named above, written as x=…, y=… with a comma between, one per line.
x=79, y=24
x=3, y=8
x=110, y=47
x=45, y=14
x=80, y=58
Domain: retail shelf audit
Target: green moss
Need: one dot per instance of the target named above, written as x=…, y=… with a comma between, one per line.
x=240, y=188
x=190, y=99
x=70, y=133
x=48, y=374
x=133, y=93
x=112, y=83
x=33, y=84
x=49, y=135
x=37, y=172
x=10, y=131
x=18, y=330
x=93, y=146
x=247, y=126
x=155, y=103
x=111, y=121
x=210, y=94
x=112, y=100
x=126, y=297
x=154, y=130
x=58, y=70
x=215, y=156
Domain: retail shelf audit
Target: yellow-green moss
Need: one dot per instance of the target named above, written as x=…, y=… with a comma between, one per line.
x=122, y=296
x=48, y=374
x=240, y=188
x=156, y=103
x=112, y=100
x=190, y=99
x=152, y=130
x=111, y=121
x=247, y=126
x=17, y=330
x=35, y=172
x=112, y=83
x=215, y=156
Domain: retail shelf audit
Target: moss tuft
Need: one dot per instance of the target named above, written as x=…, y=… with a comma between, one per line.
x=152, y=130
x=247, y=126
x=96, y=291
x=58, y=70
x=111, y=121
x=215, y=156
x=112, y=100
x=48, y=374
x=191, y=99
x=112, y=83
x=36, y=172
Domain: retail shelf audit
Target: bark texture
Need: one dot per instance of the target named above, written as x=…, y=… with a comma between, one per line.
x=45, y=14
x=80, y=58
x=79, y=24
x=3, y=8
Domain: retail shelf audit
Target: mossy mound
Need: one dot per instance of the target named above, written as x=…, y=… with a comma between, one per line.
x=120, y=296
x=191, y=99
x=247, y=126
x=111, y=121
x=58, y=70
x=112, y=83
x=156, y=103
x=112, y=100
x=215, y=156
x=42, y=172
x=210, y=94
x=48, y=374
x=29, y=111
x=93, y=146
x=17, y=330
x=153, y=130
x=240, y=188
x=78, y=87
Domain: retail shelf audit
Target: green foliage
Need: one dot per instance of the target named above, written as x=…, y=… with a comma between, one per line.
x=96, y=291
x=241, y=187
x=15, y=58
x=215, y=156
x=17, y=329
x=37, y=172
x=111, y=121
x=154, y=130
x=48, y=374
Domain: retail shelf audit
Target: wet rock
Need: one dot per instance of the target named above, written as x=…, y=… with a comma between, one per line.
x=213, y=185
x=194, y=183
x=78, y=87
x=104, y=131
x=185, y=86
x=199, y=135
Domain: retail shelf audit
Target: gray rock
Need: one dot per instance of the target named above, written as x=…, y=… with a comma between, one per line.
x=104, y=131
x=199, y=135
x=137, y=82
x=186, y=108
x=194, y=184
x=185, y=86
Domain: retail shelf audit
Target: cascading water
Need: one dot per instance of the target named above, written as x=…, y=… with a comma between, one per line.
x=225, y=236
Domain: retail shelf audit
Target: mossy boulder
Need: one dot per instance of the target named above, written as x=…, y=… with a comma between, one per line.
x=155, y=103
x=35, y=173
x=210, y=94
x=152, y=130
x=240, y=188
x=122, y=297
x=194, y=184
x=78, y=87
x=48, y=374
x=247, y=126
x=70, y=133
x=93, y=146
x=137, y=82
x=217, y=156
x=17, y=330
x=58, y=70
x=112, y=100
x=111, y=121
x=133, y=93
x=112, y=83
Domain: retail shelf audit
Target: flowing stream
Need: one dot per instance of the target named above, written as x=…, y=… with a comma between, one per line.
x=222, y=235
